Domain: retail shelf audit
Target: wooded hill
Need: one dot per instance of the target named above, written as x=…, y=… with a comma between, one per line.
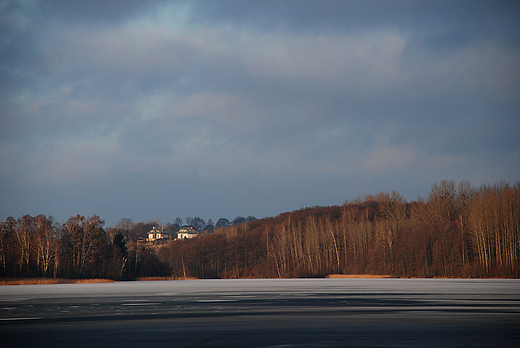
x=457, y=231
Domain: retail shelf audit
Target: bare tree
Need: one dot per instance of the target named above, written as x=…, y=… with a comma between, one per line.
x=85, y=237
x=23, y=228
x=7, y=236
x=125, y=224
x=46, y=243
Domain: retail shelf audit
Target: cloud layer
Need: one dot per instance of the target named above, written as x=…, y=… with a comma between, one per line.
x=168, y=109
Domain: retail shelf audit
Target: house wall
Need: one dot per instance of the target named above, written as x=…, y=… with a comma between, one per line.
x=183, y=235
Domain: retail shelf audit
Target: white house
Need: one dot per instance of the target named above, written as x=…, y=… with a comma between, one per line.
x=157, y=233
x=187, y=232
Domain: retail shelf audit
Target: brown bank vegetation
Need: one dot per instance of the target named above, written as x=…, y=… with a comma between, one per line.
x=46, y=281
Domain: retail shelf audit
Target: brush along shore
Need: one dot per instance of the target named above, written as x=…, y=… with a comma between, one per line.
x=44, y=281
x=357, y=276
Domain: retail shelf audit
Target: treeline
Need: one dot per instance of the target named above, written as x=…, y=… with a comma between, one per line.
x=457, y=231
x=40, y=246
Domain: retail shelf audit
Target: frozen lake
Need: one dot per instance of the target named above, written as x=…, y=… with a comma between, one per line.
x=264, y=313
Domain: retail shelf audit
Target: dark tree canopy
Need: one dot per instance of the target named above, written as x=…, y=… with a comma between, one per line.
x=198, y=223
x=238, y=220
x=223, y=222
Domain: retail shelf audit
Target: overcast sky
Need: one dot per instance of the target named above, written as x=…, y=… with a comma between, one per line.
x=163, y=109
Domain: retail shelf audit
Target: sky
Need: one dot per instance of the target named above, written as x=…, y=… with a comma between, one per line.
x=161, y=109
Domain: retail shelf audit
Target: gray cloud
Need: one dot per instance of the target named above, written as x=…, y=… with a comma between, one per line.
x=155, y=110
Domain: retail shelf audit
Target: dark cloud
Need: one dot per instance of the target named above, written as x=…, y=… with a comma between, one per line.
x=466, y=16
x=223, y=108
x=95, y=11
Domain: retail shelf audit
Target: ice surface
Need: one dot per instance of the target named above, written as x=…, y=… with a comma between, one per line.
x=410, y=312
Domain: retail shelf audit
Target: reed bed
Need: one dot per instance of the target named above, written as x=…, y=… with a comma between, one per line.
x=147, y=279
x=357, y=276
x=46, y=281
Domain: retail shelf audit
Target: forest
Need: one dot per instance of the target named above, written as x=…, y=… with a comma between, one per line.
x=458, y=230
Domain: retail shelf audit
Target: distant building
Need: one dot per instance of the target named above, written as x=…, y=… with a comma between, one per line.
x=187, y=232
x=208, y=229
x=156, y=234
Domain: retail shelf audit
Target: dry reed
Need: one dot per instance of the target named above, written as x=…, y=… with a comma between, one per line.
x=46, y=281
x=146, y=279
x=356, y=276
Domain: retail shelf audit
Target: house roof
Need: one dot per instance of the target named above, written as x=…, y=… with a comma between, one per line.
x=158, y=230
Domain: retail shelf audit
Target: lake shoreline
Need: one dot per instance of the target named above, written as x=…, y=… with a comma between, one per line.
x=50, y=281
